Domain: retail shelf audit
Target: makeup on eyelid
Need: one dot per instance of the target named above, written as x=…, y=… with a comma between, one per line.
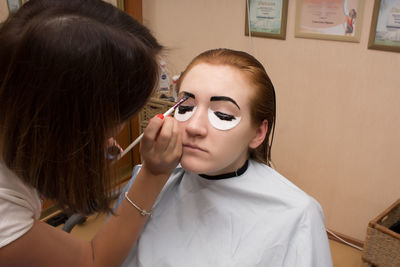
x=223, y=112
x=225, y=107
x=224, y=98
x=222, y=121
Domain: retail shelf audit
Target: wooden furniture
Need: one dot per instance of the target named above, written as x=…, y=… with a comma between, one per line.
x=152, y=108
x=382, y=245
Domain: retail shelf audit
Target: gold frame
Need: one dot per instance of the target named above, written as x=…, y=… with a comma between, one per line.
x=372, y=34
x=322, y=36
x=281, y=35
x=19, y=2
x=121, y=4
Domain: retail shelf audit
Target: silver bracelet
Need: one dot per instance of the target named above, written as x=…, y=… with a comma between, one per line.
x=142, y=211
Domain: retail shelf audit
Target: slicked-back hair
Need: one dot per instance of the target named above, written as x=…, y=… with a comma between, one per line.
x=71, y=71
x=262, y=100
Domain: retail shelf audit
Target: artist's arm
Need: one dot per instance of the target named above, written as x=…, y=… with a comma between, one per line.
x=44, y=245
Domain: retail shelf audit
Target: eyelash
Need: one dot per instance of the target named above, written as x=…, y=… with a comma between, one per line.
x=223, y=116
x=220, y=115
x=184, y=109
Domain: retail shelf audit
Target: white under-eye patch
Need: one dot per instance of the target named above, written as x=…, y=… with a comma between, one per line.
x=222, y=121
x=183, y=112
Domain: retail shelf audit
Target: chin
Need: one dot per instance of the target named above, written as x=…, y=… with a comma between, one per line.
x=196, y=166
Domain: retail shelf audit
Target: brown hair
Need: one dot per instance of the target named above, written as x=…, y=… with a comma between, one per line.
x=263, y=99
x=71, y=72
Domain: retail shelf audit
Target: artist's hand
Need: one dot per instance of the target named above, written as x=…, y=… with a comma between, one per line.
x=161, y=146
x=113, y=149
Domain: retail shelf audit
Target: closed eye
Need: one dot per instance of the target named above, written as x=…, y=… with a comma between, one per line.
x=224, y=116
x=184, y=109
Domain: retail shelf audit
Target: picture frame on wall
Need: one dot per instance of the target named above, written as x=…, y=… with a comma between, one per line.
x=14, y=5
x=339, y=20
x=385, y=26
x=266, y=18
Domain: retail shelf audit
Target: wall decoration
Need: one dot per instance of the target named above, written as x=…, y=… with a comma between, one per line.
x=338, y=20
x=266, y=18
x=385, y=26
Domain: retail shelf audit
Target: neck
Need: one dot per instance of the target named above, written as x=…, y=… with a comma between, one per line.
x=235, y=173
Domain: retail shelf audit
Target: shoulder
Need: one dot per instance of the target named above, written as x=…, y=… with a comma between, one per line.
x=275, y=183
x=19, y=206
x=283, y=192
x=14, y=190
x=303, y=216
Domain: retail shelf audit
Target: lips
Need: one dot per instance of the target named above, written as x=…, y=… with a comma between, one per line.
x=194, y=147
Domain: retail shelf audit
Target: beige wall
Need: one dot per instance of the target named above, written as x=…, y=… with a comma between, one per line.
x=338, y=117
x=3, y=10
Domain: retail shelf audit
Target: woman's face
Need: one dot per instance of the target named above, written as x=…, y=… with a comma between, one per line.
x=215, y=121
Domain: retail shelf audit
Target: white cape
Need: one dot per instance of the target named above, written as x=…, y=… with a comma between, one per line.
x=256, y=219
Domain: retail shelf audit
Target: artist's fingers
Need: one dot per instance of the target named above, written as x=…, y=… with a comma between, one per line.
x=113, y=149
x=165, y=135
x=175, y=145
x=162, y=156
x=110, y=141
x=151, y=132
x=119, y=147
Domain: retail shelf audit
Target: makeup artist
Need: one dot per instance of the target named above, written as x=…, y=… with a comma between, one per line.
x=71, y=73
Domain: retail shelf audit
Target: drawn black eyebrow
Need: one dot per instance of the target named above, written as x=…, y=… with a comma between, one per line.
x=188, y=94
x=224, y=98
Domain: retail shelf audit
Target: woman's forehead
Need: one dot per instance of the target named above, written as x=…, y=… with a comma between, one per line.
x=221, y=82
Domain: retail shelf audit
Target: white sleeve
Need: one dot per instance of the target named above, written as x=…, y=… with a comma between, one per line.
x=310, y=245
x=17, y=216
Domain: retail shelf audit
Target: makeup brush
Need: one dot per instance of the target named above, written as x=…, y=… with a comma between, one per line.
x=167, y=113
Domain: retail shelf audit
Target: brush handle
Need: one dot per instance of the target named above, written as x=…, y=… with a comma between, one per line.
x=134, y=143
x=137, y=140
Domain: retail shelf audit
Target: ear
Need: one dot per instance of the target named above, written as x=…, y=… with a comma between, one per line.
x=261, y=131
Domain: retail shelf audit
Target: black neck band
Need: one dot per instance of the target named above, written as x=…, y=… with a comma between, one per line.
x=236, y=173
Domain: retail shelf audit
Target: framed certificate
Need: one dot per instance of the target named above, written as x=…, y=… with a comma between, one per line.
x=329, y=19
x=14, y=5
x=385, y=26
x=266, y=18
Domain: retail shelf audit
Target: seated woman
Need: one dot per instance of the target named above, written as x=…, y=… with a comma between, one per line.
x=224, y=206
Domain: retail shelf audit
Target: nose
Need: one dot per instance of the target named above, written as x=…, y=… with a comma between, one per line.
x=198, y=123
